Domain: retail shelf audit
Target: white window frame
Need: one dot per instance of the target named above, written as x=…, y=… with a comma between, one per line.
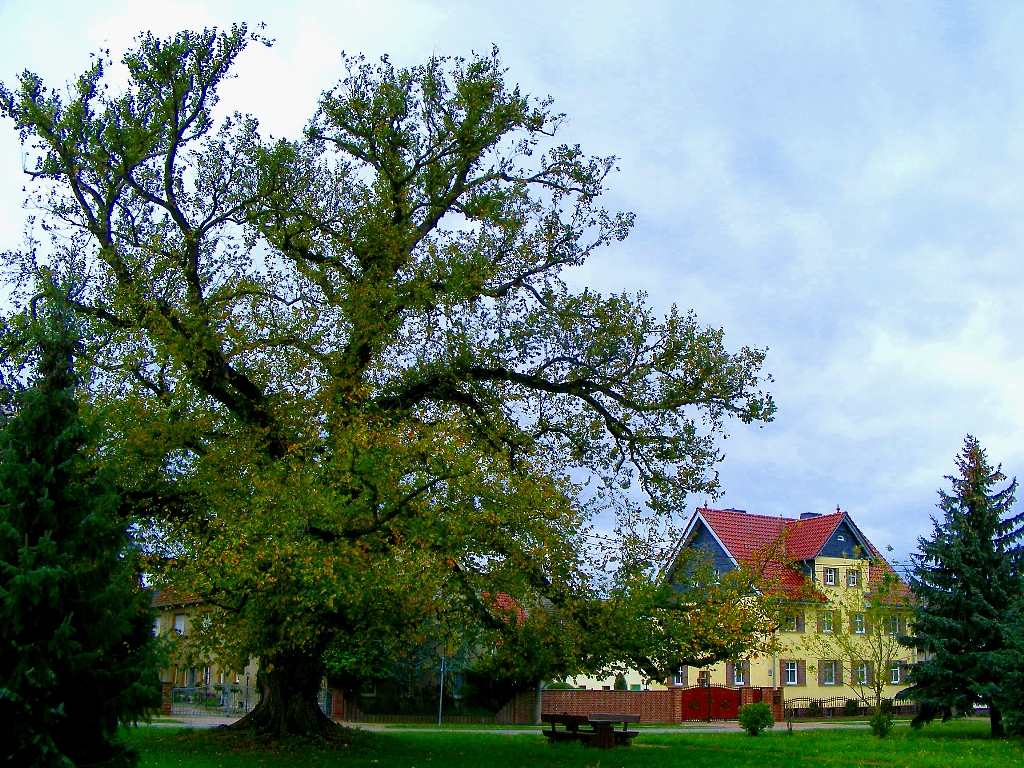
x=738, y=676
x=178, y=623
x=827, y=623
x=678, y=677
x=828, y=669
x=828, y=576
x=894, y=625
x=862, y=672
x=860, y=626
x=704, y=678
x=792, y=670
x=791, y=623
x=895, y=673
x=852, y=577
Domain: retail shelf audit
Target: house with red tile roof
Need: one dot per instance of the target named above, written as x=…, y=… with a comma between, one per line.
x=846, y=597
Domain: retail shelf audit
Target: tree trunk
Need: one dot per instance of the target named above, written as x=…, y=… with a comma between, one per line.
x=995, y=717
x=288, y=685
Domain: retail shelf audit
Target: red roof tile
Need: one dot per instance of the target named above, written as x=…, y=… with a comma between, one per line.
x=167, y=597
x=805, y=538
x=750, y=538
x=742, y=534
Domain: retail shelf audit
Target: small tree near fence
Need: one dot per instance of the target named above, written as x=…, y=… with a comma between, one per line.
x=858, y=643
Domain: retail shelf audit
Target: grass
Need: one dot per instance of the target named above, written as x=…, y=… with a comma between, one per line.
x=937, y=746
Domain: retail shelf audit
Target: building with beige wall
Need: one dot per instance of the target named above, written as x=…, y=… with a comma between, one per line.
x=843, y=628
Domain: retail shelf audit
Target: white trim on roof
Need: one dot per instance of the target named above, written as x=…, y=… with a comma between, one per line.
x=686, y=535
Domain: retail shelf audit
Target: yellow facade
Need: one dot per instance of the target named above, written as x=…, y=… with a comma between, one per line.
x=178, y=618
x=832, y=632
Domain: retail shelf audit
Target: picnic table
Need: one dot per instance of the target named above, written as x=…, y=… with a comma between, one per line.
x=601, y=731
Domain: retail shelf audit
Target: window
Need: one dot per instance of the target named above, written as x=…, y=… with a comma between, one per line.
x=792, y=675
x=859, y=626
x=894, y=673
x=852, y=578
x=634, y=687
x=827, y=622
x=179, y=623
x=679, y=678
x=828, y=673
x=894, y=625
x=739, y=673
x=156, y=627
x=794, y=623
x=704, y=678
x=862, y=672
x=368, y=689
x=206, y=676
x=830, y=576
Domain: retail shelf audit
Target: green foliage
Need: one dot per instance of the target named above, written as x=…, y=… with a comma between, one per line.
x=75, y=625
x=814, y=709
x=881, y=723
x=755, y=717
x=967, y=581
x=851, y=708
x=346, y=376
x=620, y=683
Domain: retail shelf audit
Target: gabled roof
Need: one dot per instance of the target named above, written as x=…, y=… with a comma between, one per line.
x=168, y=597
x=805, y=538
x=750, y=539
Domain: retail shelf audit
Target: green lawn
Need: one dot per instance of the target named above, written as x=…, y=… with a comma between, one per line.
x=941, y=746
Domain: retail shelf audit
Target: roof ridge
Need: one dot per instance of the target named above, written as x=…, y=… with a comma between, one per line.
x=746, y=514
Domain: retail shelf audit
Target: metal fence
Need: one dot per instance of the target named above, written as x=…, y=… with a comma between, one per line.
x=226, y=700
x=840, y=706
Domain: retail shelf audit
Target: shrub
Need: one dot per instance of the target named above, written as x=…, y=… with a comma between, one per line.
x=814, y=709
x=851, y=708
x=558, y=685
x=755, y=717
x=881, y=723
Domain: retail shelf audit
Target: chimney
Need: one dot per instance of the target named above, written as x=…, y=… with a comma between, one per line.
x=737, y=511
x=809, y=515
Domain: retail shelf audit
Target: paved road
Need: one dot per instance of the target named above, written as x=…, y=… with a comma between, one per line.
x=184, y=721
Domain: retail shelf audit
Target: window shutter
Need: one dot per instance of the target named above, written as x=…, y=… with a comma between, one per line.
x=782, y=673
x=871, y=672
x=903, y=625
x=853, y=625
x=839, y=673
x=746, y=672
x=801, y=672
x=837, y=622
x=821, y=672
x=868, y=626
x=800, y=621
x=821, y=622
x=730, y=673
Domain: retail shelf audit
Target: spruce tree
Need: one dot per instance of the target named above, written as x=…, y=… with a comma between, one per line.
x=76, y=652
x=966, y=584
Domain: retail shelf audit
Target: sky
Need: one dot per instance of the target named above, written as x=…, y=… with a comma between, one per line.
x=840, y=182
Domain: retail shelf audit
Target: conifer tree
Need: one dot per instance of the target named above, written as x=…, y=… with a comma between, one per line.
x=966, y=585
x=76, y=651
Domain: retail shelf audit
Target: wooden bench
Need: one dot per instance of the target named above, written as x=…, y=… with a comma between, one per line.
x=601, y=732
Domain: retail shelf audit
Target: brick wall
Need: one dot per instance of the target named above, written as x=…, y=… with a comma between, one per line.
x=652, y=706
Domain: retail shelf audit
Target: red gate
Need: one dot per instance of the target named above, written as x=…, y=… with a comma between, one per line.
x=710, y=703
